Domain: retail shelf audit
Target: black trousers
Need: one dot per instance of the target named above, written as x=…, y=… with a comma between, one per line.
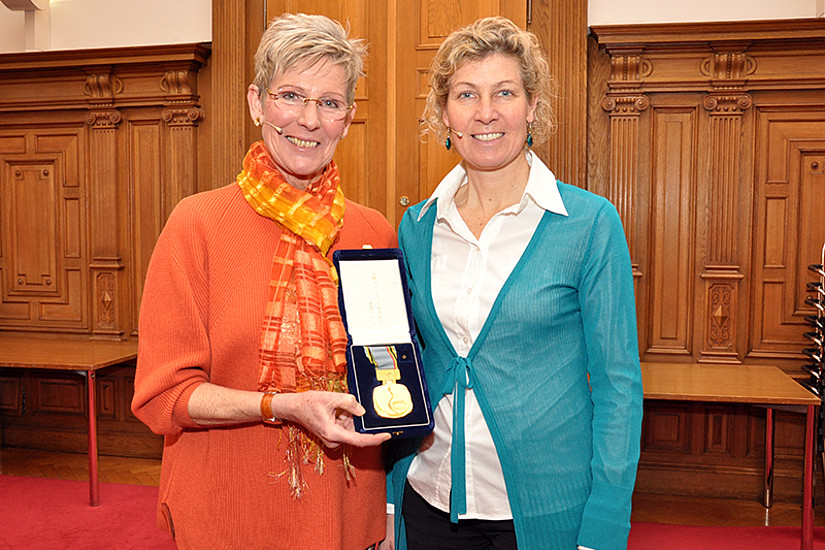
x=428, y=528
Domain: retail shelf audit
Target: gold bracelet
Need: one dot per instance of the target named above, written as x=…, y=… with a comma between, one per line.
x=266, y=409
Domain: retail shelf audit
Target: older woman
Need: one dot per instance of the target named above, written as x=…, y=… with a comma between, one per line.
x=523, y=296
x=241, y=363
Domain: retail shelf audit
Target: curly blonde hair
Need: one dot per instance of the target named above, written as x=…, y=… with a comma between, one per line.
x=485, y=37
x=298, y=38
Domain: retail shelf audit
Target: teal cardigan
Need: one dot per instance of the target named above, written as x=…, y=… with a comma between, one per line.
x=568, y=447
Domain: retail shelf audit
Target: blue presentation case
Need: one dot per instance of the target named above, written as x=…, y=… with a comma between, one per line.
x=374, y=301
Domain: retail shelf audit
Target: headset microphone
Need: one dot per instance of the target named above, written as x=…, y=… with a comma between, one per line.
x=277, y=128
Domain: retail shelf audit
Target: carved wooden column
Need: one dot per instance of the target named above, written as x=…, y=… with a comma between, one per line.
x=236, y=29
x=106, y=263
x=625, y=104
x=181, y=115
x=561, y=26
x=722, y=273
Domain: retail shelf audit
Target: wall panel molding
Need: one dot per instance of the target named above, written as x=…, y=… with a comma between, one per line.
x=66, y=142
x=729, y=73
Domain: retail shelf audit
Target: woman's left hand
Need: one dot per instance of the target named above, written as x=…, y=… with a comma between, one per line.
x=328, y=415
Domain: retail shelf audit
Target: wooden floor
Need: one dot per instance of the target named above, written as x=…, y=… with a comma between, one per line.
x=717, y=511
x=646, y=508
x=112, y=469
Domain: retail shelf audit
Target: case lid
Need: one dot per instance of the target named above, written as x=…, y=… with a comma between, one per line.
x=374, y=300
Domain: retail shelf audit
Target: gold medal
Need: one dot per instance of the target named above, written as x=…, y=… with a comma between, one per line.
x=390, y=399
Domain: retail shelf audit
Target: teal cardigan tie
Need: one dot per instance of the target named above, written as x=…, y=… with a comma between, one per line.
x=460, y=377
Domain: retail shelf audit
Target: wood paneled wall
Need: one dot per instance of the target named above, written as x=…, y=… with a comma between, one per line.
x=49, y=410
x=96, y=147
x=710, y=140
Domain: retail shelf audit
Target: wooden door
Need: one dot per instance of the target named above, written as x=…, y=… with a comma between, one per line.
x=788, y=229
x=421, y=26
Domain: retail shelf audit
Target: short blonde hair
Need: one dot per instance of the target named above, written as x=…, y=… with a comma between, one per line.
x=489, y=36
x=298, y=38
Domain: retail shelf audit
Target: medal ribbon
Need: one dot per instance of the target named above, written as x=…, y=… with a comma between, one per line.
x=460, y=378
x=383, y=357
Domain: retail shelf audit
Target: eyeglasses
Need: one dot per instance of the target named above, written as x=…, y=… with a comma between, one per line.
x=333, y=110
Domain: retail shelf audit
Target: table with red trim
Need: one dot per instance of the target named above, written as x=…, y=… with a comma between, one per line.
x=79, y=355
x=761, y=385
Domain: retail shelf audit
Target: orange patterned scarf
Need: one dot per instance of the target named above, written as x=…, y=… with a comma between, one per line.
x=303, y=341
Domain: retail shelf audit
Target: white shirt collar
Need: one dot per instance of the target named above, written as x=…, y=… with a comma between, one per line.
x=542, y=188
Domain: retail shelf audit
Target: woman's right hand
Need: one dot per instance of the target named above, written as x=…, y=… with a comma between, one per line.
x=328, y=415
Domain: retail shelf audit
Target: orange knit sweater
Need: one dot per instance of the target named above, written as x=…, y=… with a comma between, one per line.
x=203, y=303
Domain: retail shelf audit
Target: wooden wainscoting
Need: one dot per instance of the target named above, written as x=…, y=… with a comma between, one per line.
x=710, y=140
x=49, y=411
x=96, y=148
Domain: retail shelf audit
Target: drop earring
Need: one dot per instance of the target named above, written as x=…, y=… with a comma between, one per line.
x=529, y=134
x=447, y=143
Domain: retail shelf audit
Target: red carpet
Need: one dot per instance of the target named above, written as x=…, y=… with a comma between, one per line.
x=657, y=536
x=46, y=514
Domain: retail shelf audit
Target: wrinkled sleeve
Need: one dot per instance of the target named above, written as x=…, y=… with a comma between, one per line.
x=609, y=317
x=173, y=346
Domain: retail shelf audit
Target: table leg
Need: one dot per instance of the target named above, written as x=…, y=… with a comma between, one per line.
x=94, y=486
x=807, y=482
x=767, y=495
